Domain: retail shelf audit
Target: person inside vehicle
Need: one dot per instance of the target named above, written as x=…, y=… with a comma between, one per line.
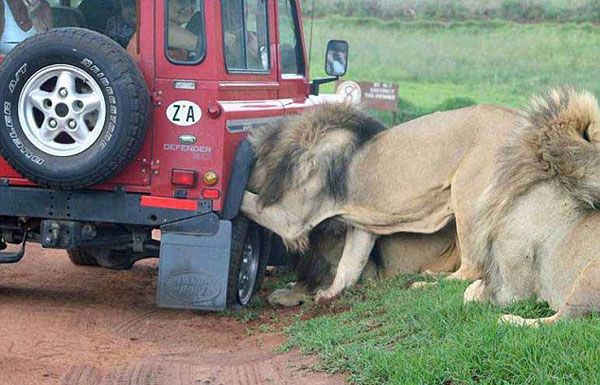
x=245, y=35
x=22, y=19
x=186, y=27
x=336, y=61
x=121, y=26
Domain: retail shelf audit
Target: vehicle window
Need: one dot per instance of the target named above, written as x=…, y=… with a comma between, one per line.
x=292, y=58
x=117, y=19
x=185, y=31
x=245, y=34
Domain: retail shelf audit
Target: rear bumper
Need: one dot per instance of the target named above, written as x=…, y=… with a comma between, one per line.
x=94, y=206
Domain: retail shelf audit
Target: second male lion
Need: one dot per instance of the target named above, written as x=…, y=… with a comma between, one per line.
x=538, y=223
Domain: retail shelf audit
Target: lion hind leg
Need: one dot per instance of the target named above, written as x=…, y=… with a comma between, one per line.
x=461, y=275
x=582, y=300
x=357, y=249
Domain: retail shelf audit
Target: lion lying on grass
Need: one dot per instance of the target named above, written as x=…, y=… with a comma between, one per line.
x=335, y=162
x=394, y=254
x=538, y=229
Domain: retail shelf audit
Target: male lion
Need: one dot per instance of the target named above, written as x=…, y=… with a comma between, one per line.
x=333, y=161
x=392, y=255
x=538, y=225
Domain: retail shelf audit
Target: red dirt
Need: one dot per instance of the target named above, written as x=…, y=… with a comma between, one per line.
x=63, y=324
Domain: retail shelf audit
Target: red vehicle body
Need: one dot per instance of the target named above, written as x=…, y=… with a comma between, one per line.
x=223, y=97
x=183, y=171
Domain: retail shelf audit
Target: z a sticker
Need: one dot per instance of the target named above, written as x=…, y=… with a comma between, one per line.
x=184, y=113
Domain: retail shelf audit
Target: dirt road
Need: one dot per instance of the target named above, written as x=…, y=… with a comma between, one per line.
x=62, y=324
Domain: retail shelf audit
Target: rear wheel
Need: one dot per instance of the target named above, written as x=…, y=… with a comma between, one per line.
x=250, y=246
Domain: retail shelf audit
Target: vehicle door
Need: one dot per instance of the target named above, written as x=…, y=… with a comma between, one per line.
x=293, y=71
x=248, y=88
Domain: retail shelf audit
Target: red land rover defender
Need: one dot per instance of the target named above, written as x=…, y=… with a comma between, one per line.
x=124, y=116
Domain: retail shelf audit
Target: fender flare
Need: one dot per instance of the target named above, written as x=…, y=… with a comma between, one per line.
x=240, y=173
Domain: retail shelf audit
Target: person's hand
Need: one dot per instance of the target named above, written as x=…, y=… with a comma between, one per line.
x=229, y=41
x=132, y=47
x=253, y=44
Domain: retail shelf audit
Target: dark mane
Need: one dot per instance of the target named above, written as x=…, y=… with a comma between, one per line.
x=557, y=140
x=320, y=141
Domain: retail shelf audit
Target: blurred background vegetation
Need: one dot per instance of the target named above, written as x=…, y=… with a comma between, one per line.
x=448, y=54
x=515, y=10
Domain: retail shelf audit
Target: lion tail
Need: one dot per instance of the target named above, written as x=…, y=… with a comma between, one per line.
x=558, y=138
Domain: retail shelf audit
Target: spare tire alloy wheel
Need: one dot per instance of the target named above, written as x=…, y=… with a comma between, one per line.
x=62, y=110
x=76, y=108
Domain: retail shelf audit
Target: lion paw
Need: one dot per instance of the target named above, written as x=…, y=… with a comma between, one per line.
x=475, y=292
x=324, y=297
x=422, y=284
x=287, y=298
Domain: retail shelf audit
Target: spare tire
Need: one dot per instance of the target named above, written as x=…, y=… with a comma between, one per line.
x=75, y=107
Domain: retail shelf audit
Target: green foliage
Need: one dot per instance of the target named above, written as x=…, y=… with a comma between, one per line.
x=408, y=111
x=446, y=10
x=497, y=62
x=394, y=335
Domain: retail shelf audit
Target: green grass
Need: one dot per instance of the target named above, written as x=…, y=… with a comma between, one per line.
x=515, y=10
x=492, y=62
x=393, y=335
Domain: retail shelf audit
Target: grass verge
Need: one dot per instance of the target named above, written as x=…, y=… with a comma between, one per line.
x=393, y=335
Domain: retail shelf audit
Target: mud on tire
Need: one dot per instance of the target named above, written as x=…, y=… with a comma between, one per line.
x=75, y=108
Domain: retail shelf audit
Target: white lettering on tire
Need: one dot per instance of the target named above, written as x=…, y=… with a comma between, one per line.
x=112, y=101
x=8, y=121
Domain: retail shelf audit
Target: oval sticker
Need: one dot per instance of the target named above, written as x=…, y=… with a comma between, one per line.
x=187, y=139
x=184, y=113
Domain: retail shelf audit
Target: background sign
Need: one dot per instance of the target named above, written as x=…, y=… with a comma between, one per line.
x=375, y=95
x=378, y=96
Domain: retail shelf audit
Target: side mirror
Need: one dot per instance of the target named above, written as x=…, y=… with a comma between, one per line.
x=336, y=58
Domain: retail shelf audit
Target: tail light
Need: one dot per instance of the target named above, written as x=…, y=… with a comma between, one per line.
x=185, y=178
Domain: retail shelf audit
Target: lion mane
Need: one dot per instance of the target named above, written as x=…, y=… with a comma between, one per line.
x=321, y=141
x=556, y=140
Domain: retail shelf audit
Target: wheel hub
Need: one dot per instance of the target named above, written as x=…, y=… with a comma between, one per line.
x=249, y=267
x=62, y=110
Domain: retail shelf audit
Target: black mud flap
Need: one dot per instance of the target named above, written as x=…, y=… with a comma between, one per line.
x=194, y=264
